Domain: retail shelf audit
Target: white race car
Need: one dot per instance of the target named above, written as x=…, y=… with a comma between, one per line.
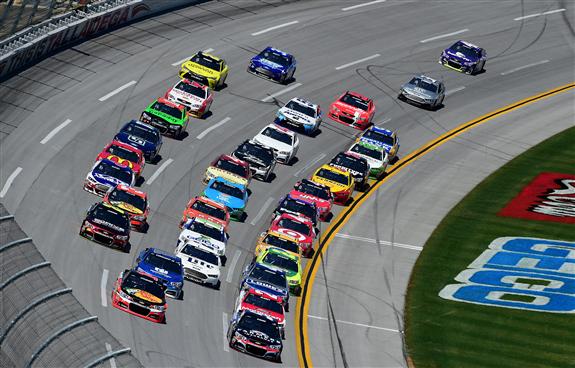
x=199, y=262
x=376, y=157
x=208, y=233
x=284, y=142
x=301, y=114
x=196, y=97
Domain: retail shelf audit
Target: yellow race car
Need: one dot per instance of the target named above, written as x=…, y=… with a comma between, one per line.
x=206, y=69
x=279, y=240
x=340, y=182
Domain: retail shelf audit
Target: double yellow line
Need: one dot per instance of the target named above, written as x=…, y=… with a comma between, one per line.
x=302, y=307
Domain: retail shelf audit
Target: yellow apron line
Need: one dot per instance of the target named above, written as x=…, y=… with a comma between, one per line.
x=302, y=307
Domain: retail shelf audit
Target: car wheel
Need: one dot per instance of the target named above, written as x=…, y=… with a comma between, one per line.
x=482, y=66
x=287, y=307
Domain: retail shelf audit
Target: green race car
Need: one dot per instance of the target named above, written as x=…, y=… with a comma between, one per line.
x=283, y=260
x=376, y=157
x=170, y=118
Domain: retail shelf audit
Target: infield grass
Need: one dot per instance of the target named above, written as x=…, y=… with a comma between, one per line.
x=443, y=333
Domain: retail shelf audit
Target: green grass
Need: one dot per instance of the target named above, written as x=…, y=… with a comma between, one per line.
x=443, y=333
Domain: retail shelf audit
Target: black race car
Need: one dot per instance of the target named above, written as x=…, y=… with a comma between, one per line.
x=255, y=334
x=356, y=165
x=298, y=207
x=107, y=225
x=261, y=158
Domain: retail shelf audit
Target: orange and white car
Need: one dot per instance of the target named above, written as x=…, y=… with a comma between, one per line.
x=205, y=208
x=124, y=155
x=132, y=201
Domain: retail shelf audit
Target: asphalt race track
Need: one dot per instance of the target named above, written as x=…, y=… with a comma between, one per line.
x=366, y=282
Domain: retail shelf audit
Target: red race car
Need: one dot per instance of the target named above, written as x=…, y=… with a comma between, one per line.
x=298, y=227
x=132, y=201
x=125, y=155
x=141, y=295
x=196, y=97
x=317, y=193
x=206, y=208
x=262, y=303
x=353, y=109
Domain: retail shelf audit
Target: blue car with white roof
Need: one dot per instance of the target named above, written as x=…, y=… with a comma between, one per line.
x=232, y=195
x=382, y=138
x=105, y=175
x=144, y=137
x=464, y=57
x=273, y=64
x=167, y=268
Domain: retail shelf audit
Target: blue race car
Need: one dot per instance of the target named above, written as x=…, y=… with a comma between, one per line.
x=232, y=195
x=267, y=280
x=382, y=138
x=273, y=64
x=464, y=57
x=144, y=137
x=167, y=268
x=106, y=174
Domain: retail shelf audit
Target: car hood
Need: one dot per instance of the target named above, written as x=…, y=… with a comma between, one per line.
x=419, y=91
x=275, y=144
x=261, y=62
x=162, y=115
x=226, y=199
x=192, y=236
x=349, y=109
x=200, y=69
x=160, y=273
x=333, y=186
x=186, y=96
x=198, y=264
x=460, y=56
x=135, y=141
x=302, y=238
x=297, y=116
x=279, y=318
x=229, y=176
x=127, y=207
x=107, y=179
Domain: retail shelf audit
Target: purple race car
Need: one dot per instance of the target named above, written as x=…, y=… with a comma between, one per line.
x=464, y=57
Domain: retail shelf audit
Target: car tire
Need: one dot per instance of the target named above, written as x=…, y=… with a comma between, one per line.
x=181, y=296
x=482, y=68
x=287, y=307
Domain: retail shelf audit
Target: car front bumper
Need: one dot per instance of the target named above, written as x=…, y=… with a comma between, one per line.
x=137, y=309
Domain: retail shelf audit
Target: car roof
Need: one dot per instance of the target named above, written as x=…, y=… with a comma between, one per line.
x=281, y=236
x=357, y=95
x=427, y=79
x=208, y=223
x=280, y=128
x=368, y=145
x=387, y=132
x=225, y=181
x=468, y=44
x=207, y=55
x=209, y=201
x=165, y=101
x=296, y=218
x=277, y=51
x=164, y=254
x=283, y=252
x=332, y=168
x=142, y=125
x=129, y=189
x=304, y=102
x=106, y=161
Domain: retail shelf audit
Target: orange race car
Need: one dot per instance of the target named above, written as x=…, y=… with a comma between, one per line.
x=125, y=155
x=206, y=208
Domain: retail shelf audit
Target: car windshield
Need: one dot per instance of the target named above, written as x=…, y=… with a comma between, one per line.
x=309, y=111
x=363, y=150
x=192, y=251
x=227, y=189
x=210, y=210
x=253, y=322
x=314, y=190
x=133, y=283
x=420, y=83
x=294, y=225
x=376, y=136
x=206, y=61
x=281, y=243
x=470, y=52
x=350, y=162
x=160, y=262
x=275, y=58
x=281, y=261
x=232, y=167
x=124, y=153
x=167, y=109
x=209, y=231
x=333, y=176
x=192, y=89
x=299, y=207
x=265, y=274
x=114, y=171
x=121, y=196
x=145, y=134
x=355, y=101
x=264, y=303
x=258, y=152
x=110, y=218
x=277, y=135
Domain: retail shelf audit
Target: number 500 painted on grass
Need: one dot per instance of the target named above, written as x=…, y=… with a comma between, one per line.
x=520, y=273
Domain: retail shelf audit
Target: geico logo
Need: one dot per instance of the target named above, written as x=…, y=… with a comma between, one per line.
x=553, y=248
x=497, y=259
x=121, y=161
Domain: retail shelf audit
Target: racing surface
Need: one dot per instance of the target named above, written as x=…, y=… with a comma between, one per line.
x=526, y=57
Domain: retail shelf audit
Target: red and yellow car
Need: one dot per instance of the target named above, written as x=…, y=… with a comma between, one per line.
x=340, y=182
x=124, y=155
x=133, y=202
x=297, y=227
x=141, y=295
x=207, y=209
x=353, y=109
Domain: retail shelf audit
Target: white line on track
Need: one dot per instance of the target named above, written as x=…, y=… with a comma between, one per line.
x=279, y=93
x=454, y=90
x=9, y=181
x=179, y=62
x=274, y=28
x=362, y=5
x=528, y=16
x=217, y=125
x=554, y=11
x=525, y=67
x=262, y=210
x=539, y=14
x=159, y=171
x=384, y=121
x=55, y=131
x=103, y=283
x=444, y=35
x=112, y=360
x=357, y=62
x=355, y=324
x=233, y=264
x=381, y=242
x=309, y=164
x=225, y=324
x=117, y=90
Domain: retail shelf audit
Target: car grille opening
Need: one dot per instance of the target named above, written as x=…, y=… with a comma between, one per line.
x=139, y=309
x=194, y=275
x=255, y=350
x=161, y=125
x=453, y=64
x=346, y=119
x=101, y=238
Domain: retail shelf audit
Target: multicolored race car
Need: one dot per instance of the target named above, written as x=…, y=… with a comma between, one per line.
x=255, y=334
x=275, y=239
x=319, y=194
x=125, y=155
x=267, y=280
x=300, y=114
x=141, y=295
x=232, y=195
x=107, y=225
x=205, y=208
x=166, y=268
x=168, y=117
x=340, y=182
x=298, y=227
x=230, y=168
x=142, y=136
x=282, y=260
x=261, y=303
x=132, y=201
x=206, y=69
x=353, y=109
x=382, y=137
x=464, y=57
x=105, y=175
x=210, y=234
x=273, y=64
x=376, y=157
x=196, y=97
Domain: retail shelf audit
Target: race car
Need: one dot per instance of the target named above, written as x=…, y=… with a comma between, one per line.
x=273, y=64
x=200, y=263
x=464, y=57
x=205, y=208
x=141, y=295
x=165, y=267
x=275, y=239
x=282, y=141
x=132, y=201
x=298, y=207
x=196, y=97
x=353, y=109
x=206, y=69
x=282, y=260
x=382, y=137
x=168, y=117
x=340, y=182
x=106, y=174
x=261, y=303
x=232, y=195
x=297, y=227
x=210, y=234
x=229, y=168
x=424, y=91
x=319, y=194
x=142, y=136
x=125, y=155
x=107, y=225
x=255, y=334
x=354, y=164
x=375, y=155
x=267, y=280
x=261, y=158
x=300, y=114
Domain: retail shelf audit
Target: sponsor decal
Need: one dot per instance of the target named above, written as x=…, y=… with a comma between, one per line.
x=549, y=197
x=144, y=295
x=107, y=224
x=128, y=207
x=120, y=161
x=291, y=233
x=519, y=273
x=137, y=140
